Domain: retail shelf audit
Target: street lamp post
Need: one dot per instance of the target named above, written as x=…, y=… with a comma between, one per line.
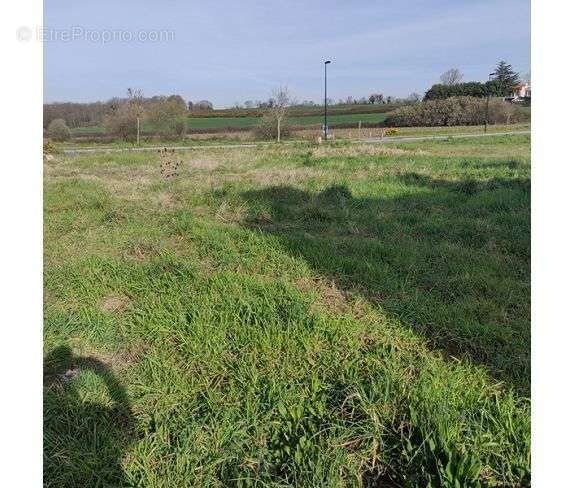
x=487, y=102
x=325, y=124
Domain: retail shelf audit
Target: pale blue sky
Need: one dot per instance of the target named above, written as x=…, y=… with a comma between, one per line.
x=231, y=51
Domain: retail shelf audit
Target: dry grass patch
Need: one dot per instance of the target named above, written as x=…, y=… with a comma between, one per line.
x=115, y=303
x=208, y=163
x=278, y=176
x=166, y=200
x=331, y=299
x=363, y=150
x=141, y=250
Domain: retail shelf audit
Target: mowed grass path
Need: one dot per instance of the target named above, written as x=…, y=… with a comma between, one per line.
x=290, y=316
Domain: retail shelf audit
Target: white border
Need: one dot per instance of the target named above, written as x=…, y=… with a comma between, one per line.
x=552, y=244
x=21, y=248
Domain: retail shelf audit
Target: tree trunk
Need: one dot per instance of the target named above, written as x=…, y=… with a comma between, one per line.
x=278, y=129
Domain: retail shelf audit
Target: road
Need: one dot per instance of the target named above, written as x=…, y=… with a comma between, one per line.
x=373, y=140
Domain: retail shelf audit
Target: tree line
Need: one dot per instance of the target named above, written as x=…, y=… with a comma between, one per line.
x=465, y=110
x=121, y=117
x=94, y=113
x=503, y=84
x=91, y=114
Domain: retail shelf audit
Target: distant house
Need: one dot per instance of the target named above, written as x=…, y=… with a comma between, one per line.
x=522, y=91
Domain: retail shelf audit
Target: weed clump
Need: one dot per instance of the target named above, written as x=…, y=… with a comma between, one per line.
x=468, y=187
x=296, y=433
x=308, y=160
x=169, y=165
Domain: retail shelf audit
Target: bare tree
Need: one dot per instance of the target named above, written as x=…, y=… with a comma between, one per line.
x=136, y=101
x=125, y=119
x=451, y=77
x=281, y=102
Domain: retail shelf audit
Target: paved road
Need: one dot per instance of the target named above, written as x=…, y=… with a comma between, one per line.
x=373, y=140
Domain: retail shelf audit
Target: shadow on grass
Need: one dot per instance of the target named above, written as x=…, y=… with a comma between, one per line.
x=450, y=259
x=84, y=440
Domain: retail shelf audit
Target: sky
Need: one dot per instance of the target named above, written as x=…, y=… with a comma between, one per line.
x=232, y=51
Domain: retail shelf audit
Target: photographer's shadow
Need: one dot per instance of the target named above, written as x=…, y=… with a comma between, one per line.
x=84, y=440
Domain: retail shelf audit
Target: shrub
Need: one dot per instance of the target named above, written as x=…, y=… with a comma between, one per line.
x=441, y=91
x=168, y=117
x=58, y=130
x=123, y=122
x=267, y=128
x=455, y=111
x=502, y=112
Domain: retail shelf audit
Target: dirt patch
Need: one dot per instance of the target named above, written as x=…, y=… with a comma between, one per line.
x=123, y=358
x=141, y=251
x=166, y=200
x=115, y=303
x=331, y=298
x=73, y=364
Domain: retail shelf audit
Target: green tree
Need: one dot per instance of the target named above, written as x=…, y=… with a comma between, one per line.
x=505, y=77
x=469, y=89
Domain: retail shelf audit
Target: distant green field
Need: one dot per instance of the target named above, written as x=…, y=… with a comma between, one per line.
x=204, y=123
x=87, y=131
x=334, y=120
x=245, y=122
x=300, y=110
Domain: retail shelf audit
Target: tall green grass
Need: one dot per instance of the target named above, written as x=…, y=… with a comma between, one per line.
x=289, y=317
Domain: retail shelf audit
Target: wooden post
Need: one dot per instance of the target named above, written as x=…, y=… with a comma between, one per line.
x=138, y=133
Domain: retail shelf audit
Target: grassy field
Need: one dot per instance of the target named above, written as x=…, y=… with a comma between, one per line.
x=373, y=132
x=303, y=110
x=243, y=122
x=297, y=315
x=240, y=137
